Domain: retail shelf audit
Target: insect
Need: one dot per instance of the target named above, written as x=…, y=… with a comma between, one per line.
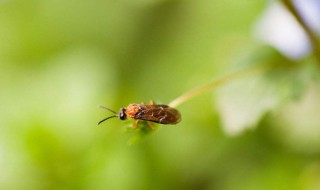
x=158, y=113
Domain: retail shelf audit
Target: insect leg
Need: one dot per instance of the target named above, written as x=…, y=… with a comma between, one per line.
x=151, y=125
x=135, y=123
x=151, y=102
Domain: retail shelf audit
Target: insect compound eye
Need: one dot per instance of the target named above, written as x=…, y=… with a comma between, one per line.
x=122, y=114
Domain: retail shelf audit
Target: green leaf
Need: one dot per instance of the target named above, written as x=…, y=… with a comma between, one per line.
x=242, y=103
x=142, y=131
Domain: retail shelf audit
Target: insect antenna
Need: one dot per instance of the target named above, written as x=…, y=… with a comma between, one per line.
x=106, y=119
x=107, y=109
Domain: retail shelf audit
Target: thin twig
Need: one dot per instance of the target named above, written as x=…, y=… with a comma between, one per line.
x=188, y=95
x=316, y=50
x=310, y=33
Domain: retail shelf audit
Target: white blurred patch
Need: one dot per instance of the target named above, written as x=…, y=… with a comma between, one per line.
x=279, y=28
x=310, y=9
x=242, y=103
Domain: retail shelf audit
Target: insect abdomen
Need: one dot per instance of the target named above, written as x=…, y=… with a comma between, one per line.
x=162, y=114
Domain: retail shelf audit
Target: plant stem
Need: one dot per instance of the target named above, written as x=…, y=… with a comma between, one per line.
x=313, y=39
x=188, y=95
x=311, y=35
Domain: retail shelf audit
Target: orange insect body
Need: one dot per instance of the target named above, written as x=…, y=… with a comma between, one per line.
x=158, y=113
x=132, y=110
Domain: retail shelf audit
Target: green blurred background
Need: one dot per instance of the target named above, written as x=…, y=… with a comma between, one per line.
x=59, y=60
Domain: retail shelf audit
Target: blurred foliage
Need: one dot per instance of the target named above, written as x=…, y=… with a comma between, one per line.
x=60, y=59
x=281, y=82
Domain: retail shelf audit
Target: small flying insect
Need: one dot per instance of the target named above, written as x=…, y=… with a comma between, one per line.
x=158, y=113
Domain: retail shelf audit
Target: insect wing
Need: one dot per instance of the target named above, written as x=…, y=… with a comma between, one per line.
x=158, y=113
